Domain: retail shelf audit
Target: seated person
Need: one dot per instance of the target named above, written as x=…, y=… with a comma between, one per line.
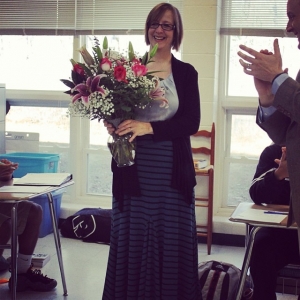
x=273, y=248
x=29, y=221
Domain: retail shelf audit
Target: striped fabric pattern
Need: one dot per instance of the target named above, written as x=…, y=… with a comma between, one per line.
x=153, y=251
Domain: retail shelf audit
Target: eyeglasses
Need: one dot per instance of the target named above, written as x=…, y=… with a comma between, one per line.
x=165, y=26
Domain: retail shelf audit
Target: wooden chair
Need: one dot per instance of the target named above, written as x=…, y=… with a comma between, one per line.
x=208, y=171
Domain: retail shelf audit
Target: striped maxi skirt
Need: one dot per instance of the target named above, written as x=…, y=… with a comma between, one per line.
x=153, y=249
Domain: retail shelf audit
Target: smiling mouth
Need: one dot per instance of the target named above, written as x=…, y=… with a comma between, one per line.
x=159, y=38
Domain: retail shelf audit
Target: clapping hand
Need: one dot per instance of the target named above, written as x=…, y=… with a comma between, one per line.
x=264, y=67
x=282, y=171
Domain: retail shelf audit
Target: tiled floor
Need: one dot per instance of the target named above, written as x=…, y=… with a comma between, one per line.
x=85, y=265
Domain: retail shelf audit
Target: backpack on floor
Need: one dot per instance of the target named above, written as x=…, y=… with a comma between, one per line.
x=218, y=280
x=89, y=225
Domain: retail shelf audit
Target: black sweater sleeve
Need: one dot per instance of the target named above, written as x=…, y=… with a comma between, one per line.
x=265, y=188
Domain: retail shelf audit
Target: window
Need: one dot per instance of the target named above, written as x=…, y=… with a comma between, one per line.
x=244, y=139
x=46, y=139
x=35, y=62
x=245, y=86
x=246, y=142
x=255, y=24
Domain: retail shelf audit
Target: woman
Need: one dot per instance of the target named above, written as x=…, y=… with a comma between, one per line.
x=153, y=249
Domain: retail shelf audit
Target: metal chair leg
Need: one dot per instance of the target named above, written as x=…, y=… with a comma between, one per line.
x=57, y=242
x=14, y=245
x=246, y=262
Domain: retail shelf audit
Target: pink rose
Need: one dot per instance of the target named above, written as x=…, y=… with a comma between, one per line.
x=78, y=69
x=135, y=61
x=139, y=70
x=120, y=73
x=105, y=64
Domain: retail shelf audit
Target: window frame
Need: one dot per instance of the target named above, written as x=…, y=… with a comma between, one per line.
x=227, y=107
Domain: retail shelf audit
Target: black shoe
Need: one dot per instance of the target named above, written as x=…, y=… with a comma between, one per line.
x=34, y=280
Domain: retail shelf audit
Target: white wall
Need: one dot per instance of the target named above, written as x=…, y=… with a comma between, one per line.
x=201, y=48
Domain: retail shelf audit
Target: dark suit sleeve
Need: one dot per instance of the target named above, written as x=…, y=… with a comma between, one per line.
x=287, y=115
x=287, y=99
x=265, y=188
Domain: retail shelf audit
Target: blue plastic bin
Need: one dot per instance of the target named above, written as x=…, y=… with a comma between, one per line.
x=33, y=162
x=46, y=226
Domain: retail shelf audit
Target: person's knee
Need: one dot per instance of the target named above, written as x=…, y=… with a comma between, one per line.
x=35, y=214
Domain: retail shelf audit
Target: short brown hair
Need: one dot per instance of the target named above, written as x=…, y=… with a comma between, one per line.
x=155, y=15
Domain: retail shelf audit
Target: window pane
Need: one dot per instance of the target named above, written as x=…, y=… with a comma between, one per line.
x=239, y=181
x=247, y=138
x=99, y=169
x=98, y=134
x=99, y=172
x=120, y=43
x=50, y=124
x=241, y=84
x=247, y=141
x=35, y=62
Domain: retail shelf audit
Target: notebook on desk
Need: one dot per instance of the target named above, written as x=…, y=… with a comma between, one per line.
x=24, y=189
x=260, y=214
x=44, y=179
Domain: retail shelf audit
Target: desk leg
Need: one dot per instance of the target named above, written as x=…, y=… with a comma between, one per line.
x=14, y=239
x=57, y=242
x=246, y=262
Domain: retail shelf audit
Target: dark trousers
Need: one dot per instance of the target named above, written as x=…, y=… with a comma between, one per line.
x=273, y=249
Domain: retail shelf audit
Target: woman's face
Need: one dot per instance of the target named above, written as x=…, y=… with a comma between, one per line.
x=164, y=38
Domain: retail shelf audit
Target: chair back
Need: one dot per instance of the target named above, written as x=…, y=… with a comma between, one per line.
x=207, y=150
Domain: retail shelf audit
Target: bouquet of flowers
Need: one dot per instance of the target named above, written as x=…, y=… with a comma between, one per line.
x=108, y=86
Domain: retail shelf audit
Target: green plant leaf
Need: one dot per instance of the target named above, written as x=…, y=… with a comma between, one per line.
x=97, y=54
x=145, y=59
x=153, y=51
x=130, y=52
x=105, y=43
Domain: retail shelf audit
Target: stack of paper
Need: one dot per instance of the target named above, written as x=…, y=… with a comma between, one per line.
x=263, y=216
x=200, y=163
x=23, y=189
x=39, y=260
x=47, y=179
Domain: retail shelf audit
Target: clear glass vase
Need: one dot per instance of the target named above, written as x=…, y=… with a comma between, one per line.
x=121, y=149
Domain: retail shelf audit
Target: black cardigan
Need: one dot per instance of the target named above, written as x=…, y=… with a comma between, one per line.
x=178, y=129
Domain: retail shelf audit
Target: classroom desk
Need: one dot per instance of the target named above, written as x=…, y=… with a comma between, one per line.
x=16, y=198
x=257, y=221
